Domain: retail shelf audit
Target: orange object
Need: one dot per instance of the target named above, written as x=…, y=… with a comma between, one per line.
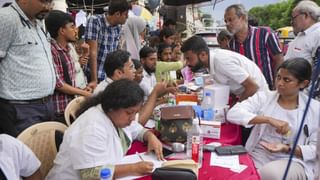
x=187, y=97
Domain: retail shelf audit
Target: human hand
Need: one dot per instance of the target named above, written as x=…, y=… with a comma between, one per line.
x=155, y=145
x=92, y=85
x=88, y=89
x=85, y=48
x=282, y=127
x=274, y=147
x=143, y=167
x=83, y=60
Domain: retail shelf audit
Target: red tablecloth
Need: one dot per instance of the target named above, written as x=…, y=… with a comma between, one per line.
x=230, y=134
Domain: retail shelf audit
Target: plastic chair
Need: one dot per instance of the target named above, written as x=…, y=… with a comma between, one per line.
x=71, y=109
x=41, y=139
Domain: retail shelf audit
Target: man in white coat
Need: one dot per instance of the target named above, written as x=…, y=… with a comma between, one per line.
x=226, y=67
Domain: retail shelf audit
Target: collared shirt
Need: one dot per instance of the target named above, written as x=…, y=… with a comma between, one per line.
x=60, y=99
x=17, y=160
x=26, y=67
x=147, y=83
x=107, y=37
x=232, y=69
x=102, y=86
x=259, y=45
x=92, y=142
x=305, y=44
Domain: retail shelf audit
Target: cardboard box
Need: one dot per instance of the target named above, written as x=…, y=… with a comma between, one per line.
x=219, y=94
x=211, y=129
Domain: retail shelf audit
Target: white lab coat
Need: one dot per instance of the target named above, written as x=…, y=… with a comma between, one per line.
x=263, y=103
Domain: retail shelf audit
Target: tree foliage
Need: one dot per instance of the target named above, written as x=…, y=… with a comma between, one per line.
x=275, y=15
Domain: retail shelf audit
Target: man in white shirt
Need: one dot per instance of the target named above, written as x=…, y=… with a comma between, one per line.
x=226, y=67
x=148, y=59
x=118, y=65
x=17, y=160
x=306, y=27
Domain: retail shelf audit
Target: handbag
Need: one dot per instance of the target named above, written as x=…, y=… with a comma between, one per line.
x=177, y=170
x=175, y=122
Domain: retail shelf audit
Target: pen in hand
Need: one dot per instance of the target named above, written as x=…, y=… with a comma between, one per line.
x=139, y=156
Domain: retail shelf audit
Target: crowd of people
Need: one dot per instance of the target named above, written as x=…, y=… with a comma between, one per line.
x=124, y=75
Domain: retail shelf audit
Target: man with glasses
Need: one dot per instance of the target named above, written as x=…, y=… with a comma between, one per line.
x=27, y=78
x=306, y=26
x=258, y=44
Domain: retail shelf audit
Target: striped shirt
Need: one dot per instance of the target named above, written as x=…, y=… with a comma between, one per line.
x=60, y=99
x=107, y=37
x=259, y=46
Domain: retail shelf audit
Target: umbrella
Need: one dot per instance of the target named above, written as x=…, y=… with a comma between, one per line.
x=141, y=12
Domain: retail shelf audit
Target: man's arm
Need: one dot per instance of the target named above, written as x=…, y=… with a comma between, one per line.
x=67, y=89
x=93, y=44
x=35, y=176
x=278, y=60
x=250, y=87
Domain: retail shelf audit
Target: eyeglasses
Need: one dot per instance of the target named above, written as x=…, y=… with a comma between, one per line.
x=294, y=17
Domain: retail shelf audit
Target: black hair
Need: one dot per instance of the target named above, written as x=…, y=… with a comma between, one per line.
x=195, y=44
x=137, y=63
x=169, y=22
x=223, y=34
x=55, y=20
x=166, y=32
x=118, y=6
x=123, y=93
x=300, y=68
x=163, y=46
x=115, y=60
x=146, y=51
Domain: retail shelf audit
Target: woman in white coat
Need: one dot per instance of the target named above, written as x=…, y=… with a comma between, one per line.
x=97, y=139
x=276, y=116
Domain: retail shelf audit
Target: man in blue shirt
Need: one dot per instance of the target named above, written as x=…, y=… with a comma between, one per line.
x=102, y=34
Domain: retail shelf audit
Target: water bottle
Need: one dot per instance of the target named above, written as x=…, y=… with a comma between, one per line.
x=105, y=174
x=195, y=143
x=206, y=106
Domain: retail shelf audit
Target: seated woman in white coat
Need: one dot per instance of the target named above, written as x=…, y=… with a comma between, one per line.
x=97, y=140
x=276, y=117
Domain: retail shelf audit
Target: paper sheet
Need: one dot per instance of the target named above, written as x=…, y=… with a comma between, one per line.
x=135, y=158
x=231, y=162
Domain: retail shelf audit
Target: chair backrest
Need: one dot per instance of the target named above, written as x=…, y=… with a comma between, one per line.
x=40, y=138
x=71, y=109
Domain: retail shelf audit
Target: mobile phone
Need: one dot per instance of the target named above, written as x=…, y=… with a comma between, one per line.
x=208, y=147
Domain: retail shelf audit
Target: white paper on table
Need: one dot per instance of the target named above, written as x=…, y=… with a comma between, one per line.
x=135, y=158
x=150, y=124
x=230, y=161
x=242, y=167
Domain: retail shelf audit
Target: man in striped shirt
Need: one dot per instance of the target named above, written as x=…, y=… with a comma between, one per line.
x=61, y=27
x=259, y=44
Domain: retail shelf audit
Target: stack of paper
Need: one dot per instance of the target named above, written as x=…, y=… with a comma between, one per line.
x=231, y=162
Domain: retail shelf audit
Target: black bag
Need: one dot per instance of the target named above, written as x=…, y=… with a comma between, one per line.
x=166, y=173
x=175, y=122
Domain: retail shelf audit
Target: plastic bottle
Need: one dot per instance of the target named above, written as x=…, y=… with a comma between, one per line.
x=206, y=106
x=105, y=174
x=195, y=143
